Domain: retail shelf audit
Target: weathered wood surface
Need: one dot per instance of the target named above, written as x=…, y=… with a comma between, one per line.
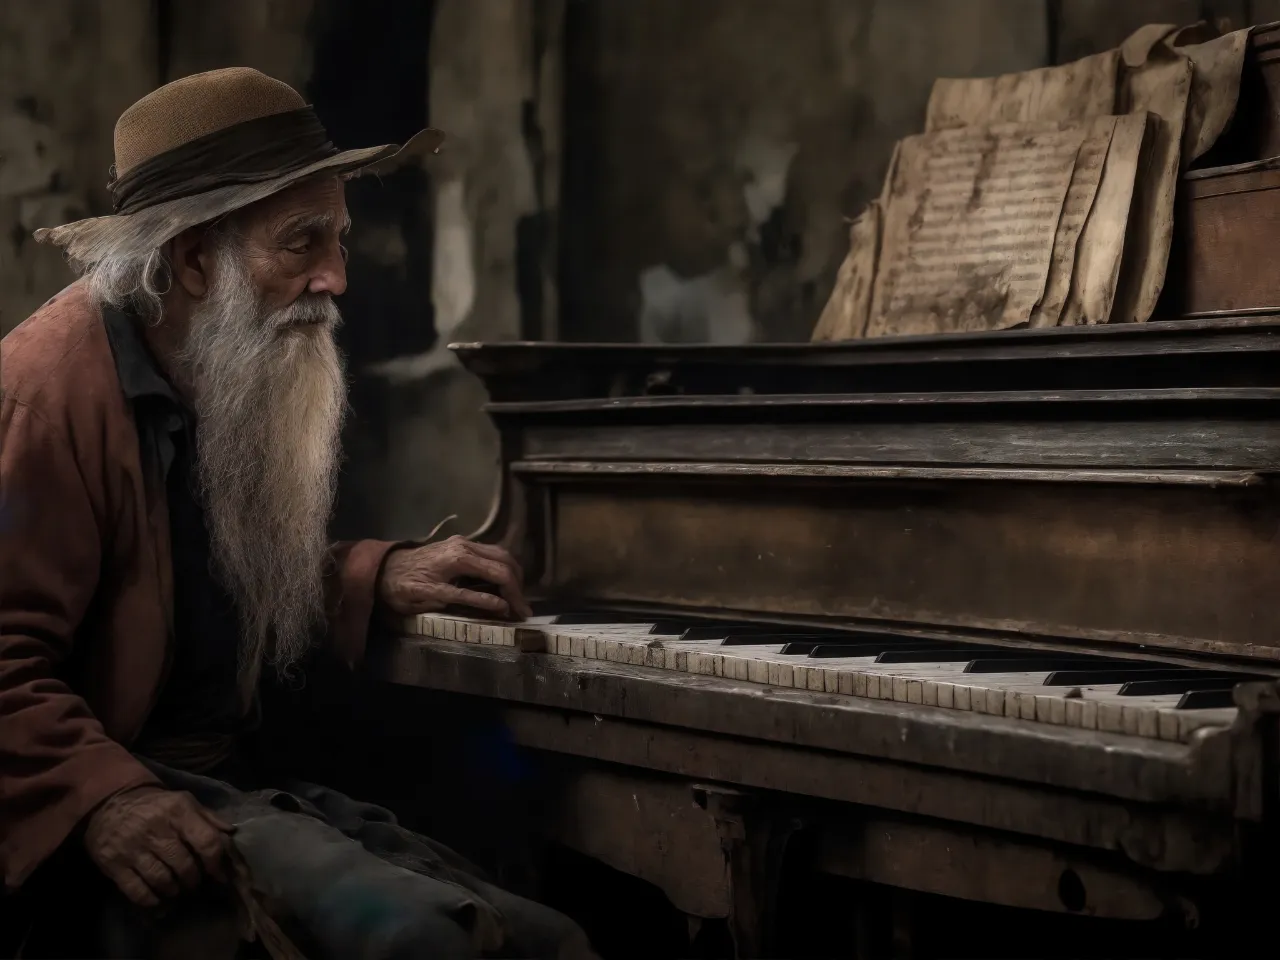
x=1230, y=352
x=1226, y=222
x=1060, y=757
x=1197, y=441
x=936, y=482
x=1191, y=572
x=1092, y=791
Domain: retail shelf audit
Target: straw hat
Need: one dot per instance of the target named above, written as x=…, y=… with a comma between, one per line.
x=208, y=144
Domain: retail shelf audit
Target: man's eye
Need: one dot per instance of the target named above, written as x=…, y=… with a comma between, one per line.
x=299, y=248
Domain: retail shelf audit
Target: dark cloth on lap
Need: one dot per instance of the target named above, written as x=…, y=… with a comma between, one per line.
x=361, y=885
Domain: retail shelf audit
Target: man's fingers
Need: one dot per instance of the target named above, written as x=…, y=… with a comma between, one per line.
x=489, y=570
x=156, y=875
x=492, y=551
x=207, y=842
x=448, y=594
x=216, y=821
x=131, y=884
x=175, y=855
x=502, y=576
x=499, y=555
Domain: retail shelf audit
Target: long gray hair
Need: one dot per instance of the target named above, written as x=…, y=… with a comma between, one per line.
x=123, y=277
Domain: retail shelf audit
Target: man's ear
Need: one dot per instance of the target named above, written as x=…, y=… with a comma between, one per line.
x=191, y=262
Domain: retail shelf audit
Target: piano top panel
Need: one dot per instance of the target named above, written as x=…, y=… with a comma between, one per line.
x=1227, y=351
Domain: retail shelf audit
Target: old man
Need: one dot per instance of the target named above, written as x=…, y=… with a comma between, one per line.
x=169, y=432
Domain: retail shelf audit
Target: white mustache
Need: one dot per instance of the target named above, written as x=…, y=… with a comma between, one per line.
x=310, y=309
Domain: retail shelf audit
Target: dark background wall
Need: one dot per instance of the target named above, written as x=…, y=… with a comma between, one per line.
x=649, y=169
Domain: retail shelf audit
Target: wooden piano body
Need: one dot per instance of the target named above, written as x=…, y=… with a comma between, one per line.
x=976, y=518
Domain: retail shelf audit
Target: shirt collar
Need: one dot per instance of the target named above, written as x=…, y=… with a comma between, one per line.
x=136, y=367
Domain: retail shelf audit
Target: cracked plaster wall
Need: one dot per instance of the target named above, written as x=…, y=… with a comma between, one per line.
x=441, y=456
x=67, y=69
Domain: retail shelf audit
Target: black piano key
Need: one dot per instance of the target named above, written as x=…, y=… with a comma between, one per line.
x=864, y=649
x=804, y=647
x=669, y=628
x=938, y=654
x=718, y=631
x=799, y=648
x=1136, y=671
x=1198, y=681
x=907, y=650
x=768, y=639
x=805, y=636
x=1034, y=664
x=1206, y=699
x=597, y=619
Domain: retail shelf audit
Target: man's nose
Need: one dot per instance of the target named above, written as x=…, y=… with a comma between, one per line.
x=331, y=274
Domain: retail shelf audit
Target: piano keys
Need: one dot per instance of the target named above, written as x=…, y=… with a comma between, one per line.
x=1142, y=698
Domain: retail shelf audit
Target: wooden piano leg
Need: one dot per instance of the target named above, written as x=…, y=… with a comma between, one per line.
x=754, y=844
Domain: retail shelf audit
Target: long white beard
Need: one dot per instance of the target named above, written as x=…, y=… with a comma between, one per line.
x=270, y=396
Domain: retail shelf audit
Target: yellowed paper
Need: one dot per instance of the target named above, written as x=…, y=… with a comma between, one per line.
x=1073, y=91
x=969, y=227
x=1160, y=88
x=1075, y=211
x=1139, y=44
x=846, y=312
x=1102, y=242
x=1215, y=89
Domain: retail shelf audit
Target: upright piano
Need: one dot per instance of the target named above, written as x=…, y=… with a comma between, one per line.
x=984, y=619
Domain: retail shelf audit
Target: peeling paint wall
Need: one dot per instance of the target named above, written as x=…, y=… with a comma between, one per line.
x=716, y=148
x=67, y=69
x=729, y=138
x=275, y=36
x=441, y=457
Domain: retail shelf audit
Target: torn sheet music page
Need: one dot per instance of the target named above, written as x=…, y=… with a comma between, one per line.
x=1102, y=245
x=846, y=312
x=969, y=227
x=1075, y=212
x=1215, y=88
x=1159, y=88
x=1073, y=91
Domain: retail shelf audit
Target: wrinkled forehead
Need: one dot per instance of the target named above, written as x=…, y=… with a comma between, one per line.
x=316, y=205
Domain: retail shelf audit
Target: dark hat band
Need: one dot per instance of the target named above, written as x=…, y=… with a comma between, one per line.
x=250, y=152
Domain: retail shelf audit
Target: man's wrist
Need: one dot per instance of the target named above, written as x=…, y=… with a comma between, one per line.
x=396, y=547
x=138, y=790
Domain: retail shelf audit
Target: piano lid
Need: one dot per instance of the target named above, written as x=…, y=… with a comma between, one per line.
x=1108, y=485
x=1223, y=351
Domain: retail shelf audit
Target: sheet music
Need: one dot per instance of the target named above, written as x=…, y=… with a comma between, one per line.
x=1102, y=246
x=1075, y=213
x=846, y=313
x=1079, y=90
x=969, y=226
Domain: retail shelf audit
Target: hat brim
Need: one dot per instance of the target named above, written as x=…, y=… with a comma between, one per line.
x=137, y=233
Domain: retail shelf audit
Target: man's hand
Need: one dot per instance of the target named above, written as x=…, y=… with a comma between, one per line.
x=153, y=843
x=421, y=579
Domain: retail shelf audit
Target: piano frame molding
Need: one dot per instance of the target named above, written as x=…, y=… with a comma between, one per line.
x=1099, y=485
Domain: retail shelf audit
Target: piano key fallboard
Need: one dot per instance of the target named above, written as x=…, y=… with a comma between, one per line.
x=1142, y=698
